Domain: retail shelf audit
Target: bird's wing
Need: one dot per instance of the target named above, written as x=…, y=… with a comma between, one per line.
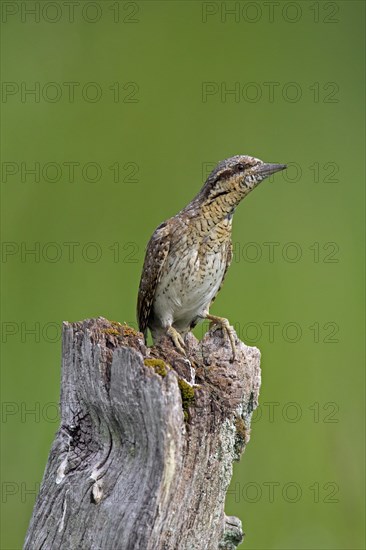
x=156, y=254
x=229, y=256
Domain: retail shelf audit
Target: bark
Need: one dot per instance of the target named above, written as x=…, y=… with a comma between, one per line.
x=144, y=453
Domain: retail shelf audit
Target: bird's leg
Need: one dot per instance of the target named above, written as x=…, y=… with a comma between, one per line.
x=177, y=339
x=225, y=327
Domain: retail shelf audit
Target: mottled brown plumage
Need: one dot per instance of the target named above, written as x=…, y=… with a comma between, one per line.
x=188, y=255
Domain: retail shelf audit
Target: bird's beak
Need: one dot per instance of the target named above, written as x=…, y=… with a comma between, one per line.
x=269, y=169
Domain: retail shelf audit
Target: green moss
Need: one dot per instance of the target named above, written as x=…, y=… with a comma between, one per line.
x=242, y=436
x=112, y=331
x=129, y=331
x=158, y=365
x=117, y=329
x=187, y=393
x=240, y=428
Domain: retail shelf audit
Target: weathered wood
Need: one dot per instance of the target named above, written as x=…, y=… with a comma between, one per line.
x=142, y=460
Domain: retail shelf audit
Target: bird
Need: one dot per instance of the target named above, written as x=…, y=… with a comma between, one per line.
x=188, y=255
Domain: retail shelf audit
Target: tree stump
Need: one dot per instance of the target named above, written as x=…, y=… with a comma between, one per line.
x=143, y=456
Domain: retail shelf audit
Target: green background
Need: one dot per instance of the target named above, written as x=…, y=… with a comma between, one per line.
x=308, y=437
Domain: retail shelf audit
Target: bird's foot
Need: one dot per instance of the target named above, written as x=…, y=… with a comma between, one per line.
x=177, y=339
x=225, y=327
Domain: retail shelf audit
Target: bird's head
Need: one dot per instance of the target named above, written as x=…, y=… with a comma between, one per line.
x=234, y=178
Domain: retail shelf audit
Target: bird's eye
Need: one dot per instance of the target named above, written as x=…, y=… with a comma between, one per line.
x=240, y=167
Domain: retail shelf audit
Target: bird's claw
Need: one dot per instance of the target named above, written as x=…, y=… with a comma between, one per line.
x=225, y=327
x=177, y=339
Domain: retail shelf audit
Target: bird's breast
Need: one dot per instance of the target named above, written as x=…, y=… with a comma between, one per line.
x=190, y=280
